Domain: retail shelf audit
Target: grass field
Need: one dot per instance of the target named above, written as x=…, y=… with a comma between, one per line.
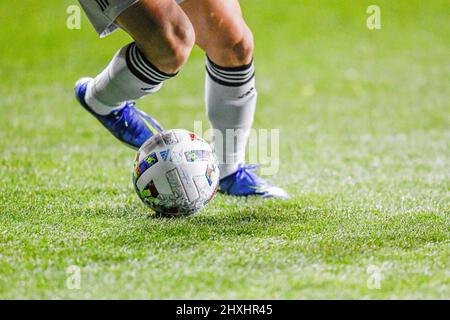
x=365, y=128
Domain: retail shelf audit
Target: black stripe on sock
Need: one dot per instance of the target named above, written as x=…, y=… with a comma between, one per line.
x=230, y=76
x=229, y=84
x=144, y=69
x=141, y=65
x=230, y=69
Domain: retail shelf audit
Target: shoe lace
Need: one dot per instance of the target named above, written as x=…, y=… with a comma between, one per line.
x=124, y=115
x=246, y=172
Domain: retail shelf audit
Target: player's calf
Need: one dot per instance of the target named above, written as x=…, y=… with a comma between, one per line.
x=163, y=40
x=231, y=92
x=162, y=32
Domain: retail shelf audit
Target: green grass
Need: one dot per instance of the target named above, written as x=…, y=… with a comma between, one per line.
x=365, y=129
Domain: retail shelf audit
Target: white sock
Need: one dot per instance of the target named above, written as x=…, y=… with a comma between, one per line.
x=230, y=103
x=129, y=76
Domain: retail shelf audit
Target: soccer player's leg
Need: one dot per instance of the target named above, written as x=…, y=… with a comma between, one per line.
x=163, y=38
x=230, y=91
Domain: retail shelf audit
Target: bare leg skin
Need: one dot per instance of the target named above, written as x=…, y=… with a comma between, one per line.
x=221, y=31
x=163, y=38
x=162, y=32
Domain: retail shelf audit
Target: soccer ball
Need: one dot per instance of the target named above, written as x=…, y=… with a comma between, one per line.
x=175, y=173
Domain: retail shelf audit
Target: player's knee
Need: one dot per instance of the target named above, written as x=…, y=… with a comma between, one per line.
x=179, y=43
x=243, y=49
x=237, y=48
x=173, y=49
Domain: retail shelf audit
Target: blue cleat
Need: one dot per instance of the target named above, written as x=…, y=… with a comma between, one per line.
x=244, y=182
x=130, y=125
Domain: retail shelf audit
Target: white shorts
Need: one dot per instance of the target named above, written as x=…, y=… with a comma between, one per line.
x=103, y=13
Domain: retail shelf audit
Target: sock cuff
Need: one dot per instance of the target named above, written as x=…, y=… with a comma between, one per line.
x=144, y=69
x=230, y=76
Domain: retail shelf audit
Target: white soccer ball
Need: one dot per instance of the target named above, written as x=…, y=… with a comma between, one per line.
x=175, y=173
